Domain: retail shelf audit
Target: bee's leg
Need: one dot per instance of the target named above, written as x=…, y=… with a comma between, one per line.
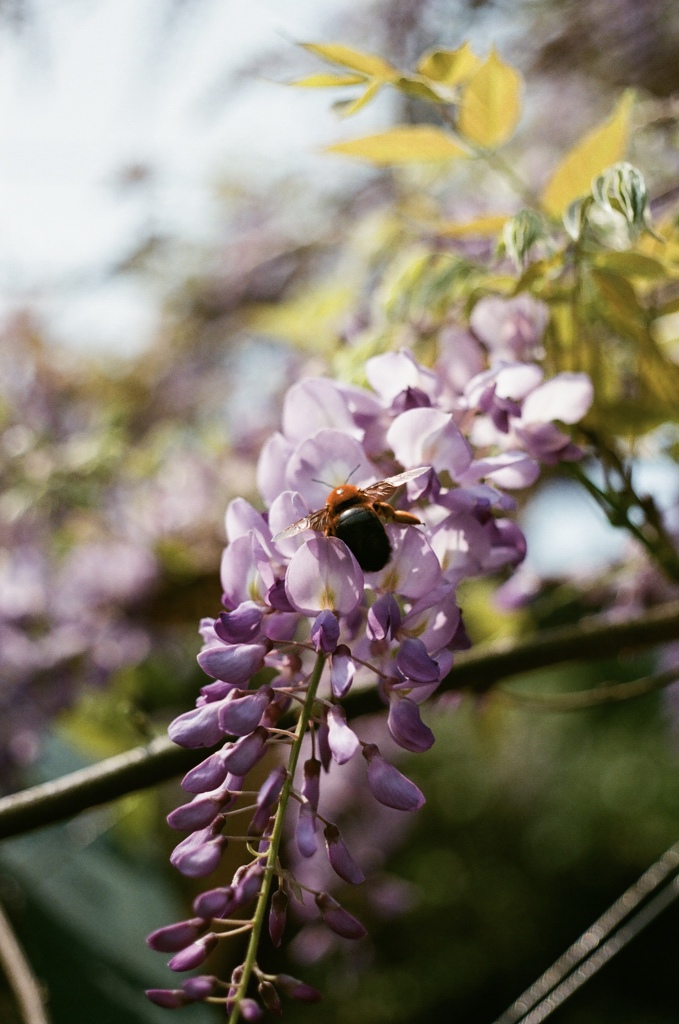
x=392, y=515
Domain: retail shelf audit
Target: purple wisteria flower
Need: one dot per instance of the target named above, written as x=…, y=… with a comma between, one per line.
x=303, y=623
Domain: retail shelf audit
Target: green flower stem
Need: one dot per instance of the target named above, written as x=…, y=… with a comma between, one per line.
x=276, y=836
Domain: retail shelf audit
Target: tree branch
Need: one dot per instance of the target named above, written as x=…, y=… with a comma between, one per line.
x=478, y=670
x=20, y=976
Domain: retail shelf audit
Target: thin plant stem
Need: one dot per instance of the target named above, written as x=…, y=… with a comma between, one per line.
x=275, y=841
x=19, y=976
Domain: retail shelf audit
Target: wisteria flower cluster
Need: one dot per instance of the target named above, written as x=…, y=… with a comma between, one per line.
x=302, y=608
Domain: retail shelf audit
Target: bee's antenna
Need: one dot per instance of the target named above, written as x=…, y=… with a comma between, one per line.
x=352, y=473
x=325, y=484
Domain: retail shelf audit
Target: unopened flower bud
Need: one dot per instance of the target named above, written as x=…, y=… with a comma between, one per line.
x=338, y=919
x=278, y=915
x=296, y=989
x=270, y=997
x=340, y=859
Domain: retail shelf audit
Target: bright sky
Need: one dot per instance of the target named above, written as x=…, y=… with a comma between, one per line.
x=98, y=85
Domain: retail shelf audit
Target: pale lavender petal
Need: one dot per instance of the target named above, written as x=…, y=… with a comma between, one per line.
x=433, y=619
x=233, y=663
x=197, y=856
x=388, y=785
x=271, y=466
x=429, y=437
x=199, y=812
x=393, y=372
x=406, y=726
x=287, y=509
x=271, y=788
x=314, y=404
x=324, y=574
x=413, y=569
x=340, y=859
x=342, y=740
x=330, y=456
x=511, y=470
x=566, y=397
x=239, y=574
x=338, y=919
x=242, y=518
x=342, y=671
x=513, y=327
x=461, y=545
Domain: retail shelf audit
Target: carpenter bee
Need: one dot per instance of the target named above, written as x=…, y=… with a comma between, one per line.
x=356, y=515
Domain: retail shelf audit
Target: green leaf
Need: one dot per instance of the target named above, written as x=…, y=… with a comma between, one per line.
x=405, y=144
x=346, y=57
x=490, y=107
x=327, y=81
x=488, y=225
x=595, y=151
x=450, y=67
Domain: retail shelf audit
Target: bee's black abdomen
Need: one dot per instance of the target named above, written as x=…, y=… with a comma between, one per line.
x=363, y=533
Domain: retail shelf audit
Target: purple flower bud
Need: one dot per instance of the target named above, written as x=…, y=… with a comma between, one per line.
x=324, y=751
x=238, y=716
x=250, y=1010
x=305, y=831
x=207, y=775
x=246, y=752
x=338, y=919
x=342, y=671
x=414, y=663
x=388, y=785
x=278, y=913
x=340, y=859
x=234, y=663
x=342, y=740
x=311, y=785
x=197, y=728
x=174, y=937
x=200, y=812
x=240, y=626
x=249, y=884
x=201, y=987
x=198, y=855
x=271, y=788
x=406, y=726
x=193, y=955
x=168, y=998
x=325, y=632
x=384, y=618
x=296, y=989
x=278, y=599
x=270, y=997
x=214, y=903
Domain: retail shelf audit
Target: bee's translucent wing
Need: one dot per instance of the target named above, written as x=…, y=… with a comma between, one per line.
x=314, y=521
x=385, y=488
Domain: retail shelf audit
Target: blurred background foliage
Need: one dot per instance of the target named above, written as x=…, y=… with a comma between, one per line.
x=116, y=471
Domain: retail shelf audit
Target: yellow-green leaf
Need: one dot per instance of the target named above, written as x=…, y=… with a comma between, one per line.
x=449, y=67
x=489, y=225
x=416, y=87
x=595, y=151
x=347, y=109
x=327, y=81
x=346, y=57
x=631, y=264
x=491, y=103
x=405, y=144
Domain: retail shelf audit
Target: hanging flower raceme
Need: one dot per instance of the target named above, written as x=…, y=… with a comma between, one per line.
x=323, y=593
